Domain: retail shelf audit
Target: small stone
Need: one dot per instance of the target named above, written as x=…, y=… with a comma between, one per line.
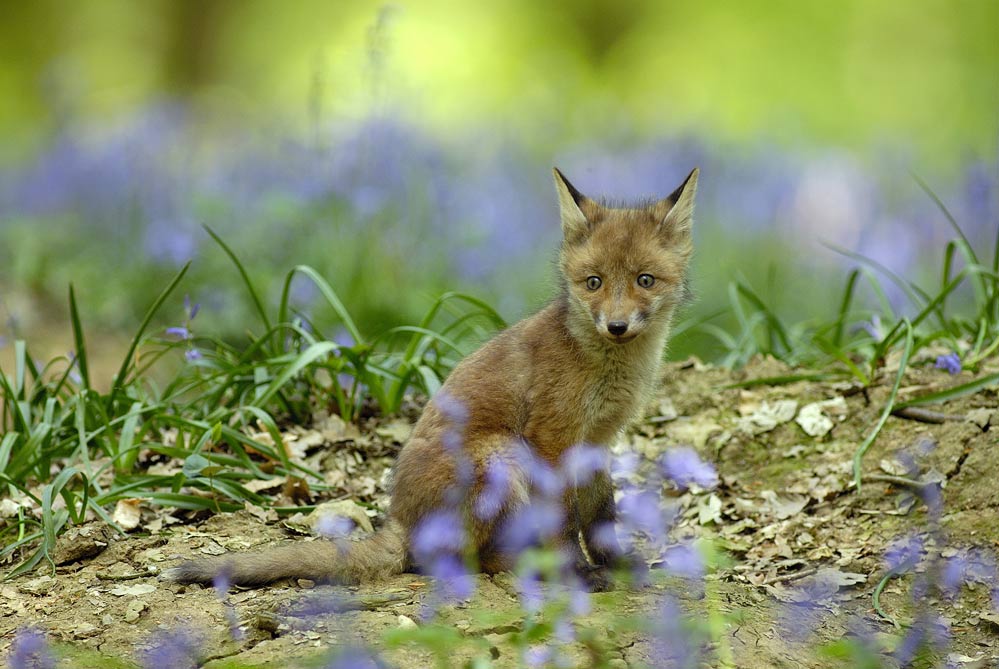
x=38, y=586
x=406, y=623
x=305, y=583
x=85, y=630
x=131, y=616
x=133, y=590
x=107, y=620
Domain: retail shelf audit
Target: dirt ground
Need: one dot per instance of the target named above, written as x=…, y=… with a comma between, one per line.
x=785, y=515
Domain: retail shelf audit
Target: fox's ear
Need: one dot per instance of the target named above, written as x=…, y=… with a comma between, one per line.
x=574, y=223
x=677, y=210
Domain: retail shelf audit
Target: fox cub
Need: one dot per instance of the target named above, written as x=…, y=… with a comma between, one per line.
x=577, y=372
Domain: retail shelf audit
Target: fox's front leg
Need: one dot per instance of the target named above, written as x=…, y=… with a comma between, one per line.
x=598, y=516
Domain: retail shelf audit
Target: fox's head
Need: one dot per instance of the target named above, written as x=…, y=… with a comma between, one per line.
x=624, y=268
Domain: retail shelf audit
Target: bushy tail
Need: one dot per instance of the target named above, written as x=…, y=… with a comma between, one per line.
x=376, y=556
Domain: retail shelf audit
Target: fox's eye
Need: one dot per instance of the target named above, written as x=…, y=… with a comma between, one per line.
x=646, y=280
x=593, y=282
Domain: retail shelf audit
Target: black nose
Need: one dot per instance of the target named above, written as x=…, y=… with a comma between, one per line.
x=617, y=327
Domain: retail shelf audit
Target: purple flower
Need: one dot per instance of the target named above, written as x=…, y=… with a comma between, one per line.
x=532, y=596
x=193, y=355
x=640, y=512
x=181, y=332
x=950, y=362
x=929, y=631
x=683, y=466
x=684, y=560
x=904, y=554
x=171, y=648
x=582, y=462
x=438, y=533
x=673, y=646
x=334, y=527
x=495, y=490
x=30, y=650
x=353, y=657
x=454, y=580
x=532, y=525
x=453, y=409
x=189, y=309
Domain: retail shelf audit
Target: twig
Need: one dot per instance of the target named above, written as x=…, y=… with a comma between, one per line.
x=791, y=577
x=925, y=415
x=126, y=577
x=900, y=481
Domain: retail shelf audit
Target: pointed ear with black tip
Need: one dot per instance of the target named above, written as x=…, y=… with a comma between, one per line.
x=677, y=210
x=574, y=223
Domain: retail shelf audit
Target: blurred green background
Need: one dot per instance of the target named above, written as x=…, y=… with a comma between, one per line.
x=405, y=149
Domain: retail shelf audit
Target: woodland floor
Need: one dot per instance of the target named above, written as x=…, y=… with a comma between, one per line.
x=785, y=512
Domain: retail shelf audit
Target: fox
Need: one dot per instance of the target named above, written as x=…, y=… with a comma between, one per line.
x=579, y=371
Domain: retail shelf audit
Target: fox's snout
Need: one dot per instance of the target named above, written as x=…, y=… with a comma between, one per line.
x=619, y=328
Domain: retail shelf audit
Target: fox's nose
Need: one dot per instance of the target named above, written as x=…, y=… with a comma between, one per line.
x=617, y=328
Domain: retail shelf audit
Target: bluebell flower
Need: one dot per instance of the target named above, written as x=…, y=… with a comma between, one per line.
x=193, y=354
x=353, y=657
x=175, y=648
x=30, y=650
x=438, y=533
x=684, y=466
x=532, y=525
x=684, y=560
x=582, y=462
x=904, y=554
x=639, y=512
x=181, y=332
x=495, y=490
x=950, y=362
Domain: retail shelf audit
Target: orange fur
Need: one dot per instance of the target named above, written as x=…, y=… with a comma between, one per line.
x=566, y=375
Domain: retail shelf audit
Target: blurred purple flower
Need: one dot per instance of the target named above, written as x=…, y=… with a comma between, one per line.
x=950, y=362
x=495, y=490
x=334, y=527
x=452, y=408
x=353, y=657
x=929, y=631
x=439, y=533
x=193, y=355
x=684, y=560
x=625, y=464
x=532, y=525
x=181, y=332
x=191, y=310
x=640, y=512
x=175, y=648
x=453, y=579
x=30, y=650
x=684, y=466
x=532, y=595
x=904, y=554
x=582, y=462
x=673, y=646
x=538, y=656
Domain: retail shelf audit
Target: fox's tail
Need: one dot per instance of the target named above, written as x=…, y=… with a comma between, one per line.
x=347, y=562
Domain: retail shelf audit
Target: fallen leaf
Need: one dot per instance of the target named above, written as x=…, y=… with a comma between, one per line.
x=133, y=590
x=127, y=513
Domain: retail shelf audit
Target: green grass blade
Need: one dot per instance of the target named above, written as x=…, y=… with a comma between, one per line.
x=257, y=303
x=889, y=405
x=962, y=390
x=328, y=294
x=78, y=341
x=119, y=379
